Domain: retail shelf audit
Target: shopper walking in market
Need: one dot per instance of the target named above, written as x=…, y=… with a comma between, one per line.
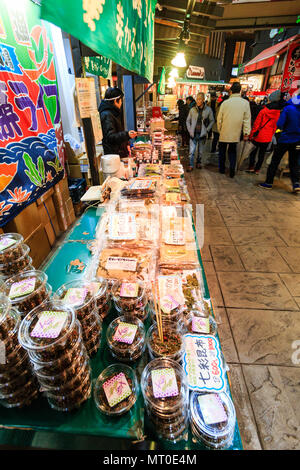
x=190, y=101
x=199, y=122
x=234, y=118
x=183, y=111
x=263, y=129
x=215, y=130
x=115, y=138
x=288, y=140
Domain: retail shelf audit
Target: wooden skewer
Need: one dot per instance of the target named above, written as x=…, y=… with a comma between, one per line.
x=159, y=318
x=157, y=315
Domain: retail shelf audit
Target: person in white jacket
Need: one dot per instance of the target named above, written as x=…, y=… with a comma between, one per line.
x=234, y=118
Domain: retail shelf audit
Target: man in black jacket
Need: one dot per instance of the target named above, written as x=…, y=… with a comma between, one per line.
x=115, y=138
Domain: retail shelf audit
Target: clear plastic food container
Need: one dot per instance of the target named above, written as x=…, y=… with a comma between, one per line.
x=195, y=323
x=9, y=321
x=92, y=337
x=213, y=419
x=10, y=247
x=115, y=390
x=17, y=383
x=175, y=398
x=126, y=340
x=176, y=315
x=27, y=290
x=22, y=397
x=12, y=373
x=67, y=363
x=92, y=329
x=79, y=296
x=101, y=292
x=70, y=383
x=129, y=296
x=72, y=400
x=172, y=346
x=49, y=330
x=17, y=265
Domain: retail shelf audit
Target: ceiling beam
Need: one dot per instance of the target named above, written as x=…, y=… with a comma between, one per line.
x=179, y=17
x=206, y=9
x=193, y=30
x=255, y=23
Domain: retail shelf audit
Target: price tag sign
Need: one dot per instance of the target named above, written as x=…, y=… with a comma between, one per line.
x=122, y=226
x=122, y=264
x=49, y=324
x=6, y=242
x=164, y=383
x=202, y=363
x=19, y=289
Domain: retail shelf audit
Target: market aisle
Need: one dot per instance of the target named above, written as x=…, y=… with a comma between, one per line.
x=251, y=258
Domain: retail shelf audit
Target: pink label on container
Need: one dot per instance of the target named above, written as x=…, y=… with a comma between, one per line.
x=125, y=333
x=129, y=289
x=18, y=289
x=200, y=325
x=164, y=383
x=75, y=296
x=49, y=324
x=168, y=303
x=116, y=389
x=212, y=408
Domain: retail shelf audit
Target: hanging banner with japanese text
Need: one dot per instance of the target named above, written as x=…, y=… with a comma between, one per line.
x=100, y=66
x=31, y=140
x=120, y=30
x=291, y=75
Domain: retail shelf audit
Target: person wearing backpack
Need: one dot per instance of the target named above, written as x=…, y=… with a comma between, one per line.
x=263, y=129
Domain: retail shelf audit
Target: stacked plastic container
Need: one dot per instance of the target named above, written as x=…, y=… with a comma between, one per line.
x=79, y=295
x=213, y=419
x=27, y=290
x=52, y=336
x=165, y=391
x=126, y=339
x=14, y=255
x=133, y=305
x=18, y=385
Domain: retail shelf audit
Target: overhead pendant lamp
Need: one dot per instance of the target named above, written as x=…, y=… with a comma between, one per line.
x=179, y=60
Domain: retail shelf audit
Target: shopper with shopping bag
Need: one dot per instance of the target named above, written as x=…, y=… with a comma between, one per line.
x=263, y=129
x=288, y=127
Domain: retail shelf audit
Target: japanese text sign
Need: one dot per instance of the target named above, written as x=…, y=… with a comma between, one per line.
x=202, y=363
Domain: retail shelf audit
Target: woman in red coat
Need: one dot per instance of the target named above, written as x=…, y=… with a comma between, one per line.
x=263, y=129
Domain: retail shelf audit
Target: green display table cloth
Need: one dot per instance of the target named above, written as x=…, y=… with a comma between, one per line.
x=87, y=420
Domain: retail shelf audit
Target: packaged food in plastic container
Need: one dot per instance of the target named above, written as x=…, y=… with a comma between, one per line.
x=101, y=292
x=65, y=365
x=125, y=263
x=50, y=331
x=126, y=340
x=16, y=375
x=92, y=335
x=129, y=296
x=130, y=229
x=68, y=401
x=172, y=345
x=27, y=290
x=115, y=390
x=23, y=396
x=198, y=323
x=24, y=262
x=213, y=419
x=79, y=296
x=70, y=382
x=10, y=247
x=165, y=392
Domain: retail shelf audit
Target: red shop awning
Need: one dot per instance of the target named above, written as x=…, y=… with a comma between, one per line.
x=267, y=57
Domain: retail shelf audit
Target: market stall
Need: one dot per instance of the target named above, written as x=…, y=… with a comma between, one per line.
x=125, y=288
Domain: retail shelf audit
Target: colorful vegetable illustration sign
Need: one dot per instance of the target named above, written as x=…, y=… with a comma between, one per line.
x=31, y=150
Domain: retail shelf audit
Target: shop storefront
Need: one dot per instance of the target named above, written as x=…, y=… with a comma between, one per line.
x=275, y=64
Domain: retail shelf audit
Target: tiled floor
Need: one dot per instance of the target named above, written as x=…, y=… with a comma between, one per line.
x=251, y=256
